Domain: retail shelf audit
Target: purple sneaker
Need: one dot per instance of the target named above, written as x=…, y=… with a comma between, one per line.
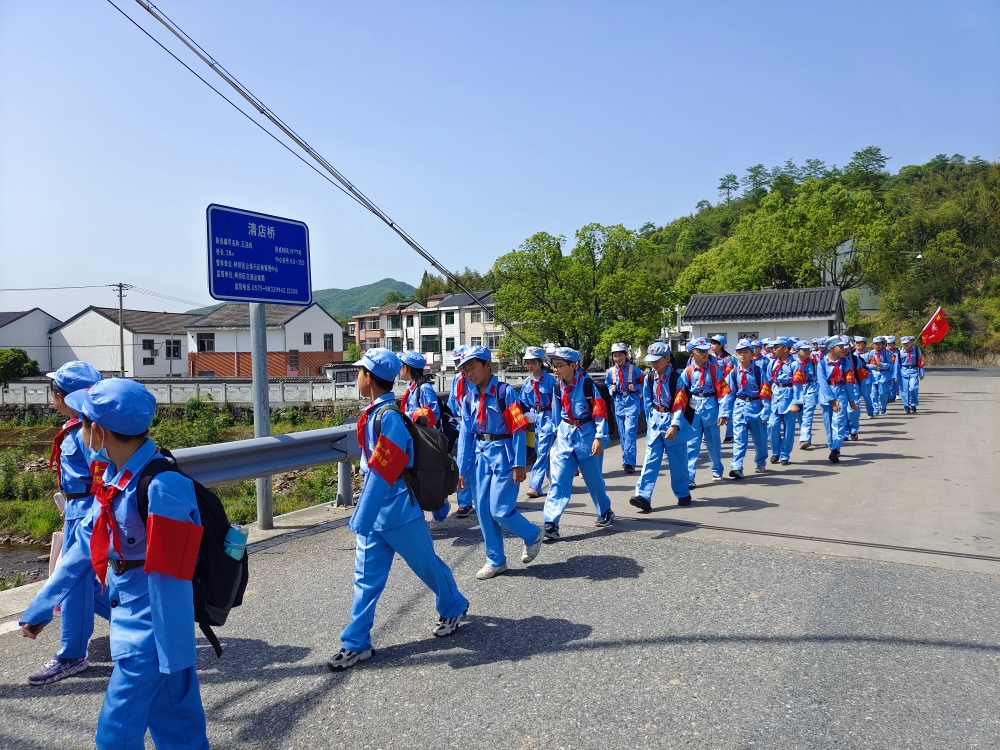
x=54, y=670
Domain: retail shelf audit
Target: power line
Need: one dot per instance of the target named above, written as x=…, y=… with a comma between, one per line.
x=50, y=288
x=166, y=297
x=345, y=185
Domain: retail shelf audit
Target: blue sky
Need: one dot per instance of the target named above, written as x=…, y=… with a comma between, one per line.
x=472, y=124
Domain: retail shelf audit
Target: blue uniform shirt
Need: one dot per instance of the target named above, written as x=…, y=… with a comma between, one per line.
x=537, y=396
x=785, y=393
x=495, y=423
x=618, y=379
x=74, y=474
x=421, y=401
x=659, y=405
x=581, y=409
x=835, y=378
x=750, y=385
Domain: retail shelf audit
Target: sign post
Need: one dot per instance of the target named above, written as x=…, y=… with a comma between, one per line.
x=258, y=258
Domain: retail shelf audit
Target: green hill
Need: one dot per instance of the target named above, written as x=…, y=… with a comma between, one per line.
x=343, y=303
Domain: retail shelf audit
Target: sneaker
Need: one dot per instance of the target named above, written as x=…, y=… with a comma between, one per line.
x=785, y=462
x=531, y=550
x=628, y=468
x=834, y=457
x=641, y=503
x=692, y=485
x=447, y=625
x=805, y=446
x=913, y=410
x=464, y=511
x=684, y=501
x=760, y=470
x=717, y=477
x=736, y=474
x=727, y=440
x=552, y=531
x=345, y=659
x=605, y=519
x=855, y=436
x=490, y=571
x=54, y=670
x=533, y=493
x=906, y=409
x=774, y=459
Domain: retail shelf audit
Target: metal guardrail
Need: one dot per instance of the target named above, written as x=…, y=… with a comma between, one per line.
x=240, y=460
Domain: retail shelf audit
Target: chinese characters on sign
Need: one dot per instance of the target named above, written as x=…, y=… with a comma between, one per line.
x=257, y=258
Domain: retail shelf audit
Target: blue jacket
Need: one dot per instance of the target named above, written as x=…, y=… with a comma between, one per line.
x=661, y=411
x=785, y=392
x=912, y=361
x=507, y=421
x=882, y=363
x=619, y=379
x=756, y=391
x=421, y=400
x=836, y=379
x=385, y=502
x=537, y=397
x=74, y=474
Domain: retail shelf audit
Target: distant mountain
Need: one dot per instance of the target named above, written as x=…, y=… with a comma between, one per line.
x=343, y=303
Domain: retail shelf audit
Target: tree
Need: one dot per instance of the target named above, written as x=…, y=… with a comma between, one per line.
x=15, y=363
x=574, y=299
x=394, y=297
x=755, y=181
x=473, y=281
x=728, y=185
x=353, y=353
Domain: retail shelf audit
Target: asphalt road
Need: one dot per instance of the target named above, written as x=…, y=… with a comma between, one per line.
x=644, y=635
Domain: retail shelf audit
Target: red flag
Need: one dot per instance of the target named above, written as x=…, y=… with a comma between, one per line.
x=935, y=330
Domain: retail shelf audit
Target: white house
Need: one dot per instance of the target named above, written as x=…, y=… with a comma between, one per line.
x=806, y=313
x=29, y=330
x=155, y=342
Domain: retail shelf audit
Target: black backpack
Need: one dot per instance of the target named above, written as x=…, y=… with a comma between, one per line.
x=434, y=475
x=449, y=423
x=219, y=580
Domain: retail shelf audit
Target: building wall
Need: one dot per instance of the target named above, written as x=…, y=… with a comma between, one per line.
x=31, y=333
x=239, y=364
x=313, y=320
x=805, y=329
x=94, y=339
x=161, y=365
x=237, y=339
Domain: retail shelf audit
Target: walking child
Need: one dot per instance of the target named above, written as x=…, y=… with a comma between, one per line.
x=786, y=401
x=420, y=403
x=466, y=494
x=536, y=395
x=866, y=388
x=836, y=382
x=911, y=372
x=727, y=362
x=881, y=364
x=703, y=379
x=742, y=405
x=624, y=381
x=806, y=375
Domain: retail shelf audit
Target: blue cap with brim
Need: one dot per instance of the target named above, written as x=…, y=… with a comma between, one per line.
x=721, y=339
x=381, y=363
x=906, y=339
x=744, y=344
x=756, y=342
x=619, y=347
x=657, y=350
x=117, y=404
x=566, y=354
x=413, y=359
x=534, y=352
x=702, y=343
x=803, y=345
x=456, y=353
x=74, y=376
x=475, y=352
x=860, y=340
x=782, y=341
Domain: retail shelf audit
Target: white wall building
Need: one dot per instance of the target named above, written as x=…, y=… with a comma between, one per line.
x=29, y=330
x=155, y=342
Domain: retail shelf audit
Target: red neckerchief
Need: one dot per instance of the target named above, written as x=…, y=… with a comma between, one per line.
x=621, y=379
x=55, y=457
x=406, y=395
x=362, y=421
x=567, y=402
x=836, y=377
x=538, y=393
x=659, y=385
x=460, y=388
x=481, y=411
x=105, y=533
x=743, y=379
x=701, y=383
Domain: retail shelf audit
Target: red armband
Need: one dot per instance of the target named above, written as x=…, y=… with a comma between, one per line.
x=424, y=412
x=680, y=400
x=849, y=377
x=172, y=546
x=598, y=408
x=515, y=418
x=388, y=460
x=765, y=391
x=721, y=389
x=799, y=378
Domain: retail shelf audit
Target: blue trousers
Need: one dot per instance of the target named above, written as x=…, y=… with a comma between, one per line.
x=676, y=452
x=881, y=397
x=627, y=417
x=540, y=469
x=909, y=383
x=706, y=425
x=565, y=462
x=741, y=426
x=865, y=387
x=806, y=416
x=82, y=602
x=835, y=424
x=893, y=389
x=496, y=500
x=140, y=696
x=730, y=429
x=781, y=429
x=467, y=497
x=372, y=561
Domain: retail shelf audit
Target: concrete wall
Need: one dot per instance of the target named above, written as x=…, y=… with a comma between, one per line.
x=161, y=366
x=313, y=320
x=805, y=329
x=31, y=333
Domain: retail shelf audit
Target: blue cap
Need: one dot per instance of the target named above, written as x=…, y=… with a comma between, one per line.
x=534, y=352
x=566, y=354
x=413, y=359
x=458, y=351
x=381, y=362
x=700, y=343
x=803, y=344
x=860, y=340
x=475, y=352
x=756, y=342
x=74, y=376
x=720, y=338
x=117, y=404
x=878, y=340
x=744, y=344
x=657, y=350
x=837, y=341
x=782, y=341
x=619, y=347
x=890, y=339
x=906, y=339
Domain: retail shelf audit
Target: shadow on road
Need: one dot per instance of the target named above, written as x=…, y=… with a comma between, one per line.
x=589, y=567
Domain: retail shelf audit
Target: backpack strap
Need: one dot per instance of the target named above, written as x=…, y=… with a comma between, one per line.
x=158, y=465
x=391, y=406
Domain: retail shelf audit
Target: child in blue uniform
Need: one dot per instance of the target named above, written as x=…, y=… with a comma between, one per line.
x=806, y=376
x=866, y=387
x=466, y=495
x=703, y=379
x=727, y=362
x=668, y=429
x=786, y=401
x=387, y=520
x=581, y=437
x=836, y=385
x=890, y=345
x=911, y=372
x=420, y=403
x=536, y=397
x=862, y=379
x=148, y=568
x=742, y=405
x=70, y=458
x=881, y=365
x=493, y=447
x=624, y=381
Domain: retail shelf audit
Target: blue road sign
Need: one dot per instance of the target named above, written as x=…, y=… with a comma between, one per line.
x=255, y=257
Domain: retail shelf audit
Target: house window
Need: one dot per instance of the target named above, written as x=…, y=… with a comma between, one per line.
x=395, y=343
x=409, y=321
x=206, y=373
x=327, y=342
x=307, y=339
x=430, y=319
x=477, y=340
x=430, y=343
x=173, y=347
x=449, y=344
x=492, y=340
x=147, y=345
x=409, y=344
x=206, y=342
x=476, y=316
x=747, y=335
x=149, y=360
x=373, y=324
x=393, y=322
x=449, y=318
x=293, y=359
x=361, y=325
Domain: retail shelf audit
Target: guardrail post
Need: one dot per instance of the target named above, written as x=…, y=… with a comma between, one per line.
x=261, y=407
x=345, y=495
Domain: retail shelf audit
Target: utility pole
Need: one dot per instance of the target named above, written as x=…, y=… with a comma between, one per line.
x=261, y=406
x=121, y=325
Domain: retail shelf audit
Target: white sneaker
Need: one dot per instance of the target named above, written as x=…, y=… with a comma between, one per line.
x=490, y=571
x=531, y=550
x=345, y=659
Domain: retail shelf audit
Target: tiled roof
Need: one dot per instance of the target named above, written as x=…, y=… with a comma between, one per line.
x=237, y=315
x=10, y=317
x=464, y=300
x=141, y=321
x=772, y=304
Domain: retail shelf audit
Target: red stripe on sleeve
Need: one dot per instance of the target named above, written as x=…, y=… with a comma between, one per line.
x=172, y=547
x=515, y=418
x=388, y=460
x=598, y=408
